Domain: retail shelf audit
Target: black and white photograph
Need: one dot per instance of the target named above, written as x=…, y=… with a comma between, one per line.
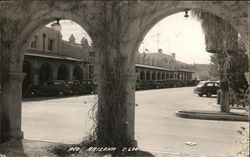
x=124, y=78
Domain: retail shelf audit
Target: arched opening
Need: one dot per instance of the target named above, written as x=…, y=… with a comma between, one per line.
x=153, y=76
x=163, y=76
x=142, y=75
x=148, y=76
x=62, y=55
x=158, y=76
x=166, y=97
x=167, y=76
x=45, y=73
x=171, y=75
x=78, y=73
x=63, y=72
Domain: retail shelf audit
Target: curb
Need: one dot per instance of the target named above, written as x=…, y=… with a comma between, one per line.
x=212, y=116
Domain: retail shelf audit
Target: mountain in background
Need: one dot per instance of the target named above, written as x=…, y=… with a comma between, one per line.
x=201, y=70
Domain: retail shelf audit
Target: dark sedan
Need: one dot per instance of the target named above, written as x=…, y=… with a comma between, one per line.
x=54, y=87
x=76, y=87
x=90, y=86
x=207, y=88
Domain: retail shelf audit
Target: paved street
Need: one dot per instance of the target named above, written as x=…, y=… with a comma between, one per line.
x=157, y=128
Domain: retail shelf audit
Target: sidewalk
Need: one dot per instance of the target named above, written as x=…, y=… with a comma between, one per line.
x=27, y=148
x=236, y=114
x=33, y=148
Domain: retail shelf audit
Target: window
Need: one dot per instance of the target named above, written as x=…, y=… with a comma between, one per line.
x=57, y=83
x=210, y=84
x=50, y=44
x=34, y=42
x=217, y=84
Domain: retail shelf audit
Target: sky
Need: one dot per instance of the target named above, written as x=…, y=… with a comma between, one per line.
x=180, y=35
x=173, y=34
x=70, y=27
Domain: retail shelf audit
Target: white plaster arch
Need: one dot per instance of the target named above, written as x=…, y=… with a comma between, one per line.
x=164, y=10
x=39, y=22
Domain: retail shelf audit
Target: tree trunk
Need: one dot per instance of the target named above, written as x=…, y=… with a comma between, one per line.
x=224, y=102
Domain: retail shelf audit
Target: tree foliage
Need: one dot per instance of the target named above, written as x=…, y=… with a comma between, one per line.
x=214, y=67
x=229, y=56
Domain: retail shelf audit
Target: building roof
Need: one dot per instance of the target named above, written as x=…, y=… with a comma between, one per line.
x=153, y=67
x=75, y=45
x=49, y=55
x=185, y=70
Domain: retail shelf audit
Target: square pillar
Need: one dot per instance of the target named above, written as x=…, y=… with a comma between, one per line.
x=12, y=106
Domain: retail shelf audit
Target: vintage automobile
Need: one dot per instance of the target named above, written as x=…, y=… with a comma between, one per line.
x=76, y=87
x=207, y=88
x=90, y=86
x=53, y=87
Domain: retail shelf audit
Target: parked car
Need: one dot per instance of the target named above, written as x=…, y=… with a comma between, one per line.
x=76, y=87
x=207, y=88
x=54, y=87
x=90, y=86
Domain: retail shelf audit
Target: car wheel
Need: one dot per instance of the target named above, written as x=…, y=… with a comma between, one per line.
x=208, y=94
x=60, y=93
x=200, y=95
x=32, y=93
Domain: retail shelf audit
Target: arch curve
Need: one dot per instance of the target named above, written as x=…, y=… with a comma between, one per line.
x=164, y=10
x=40, y=19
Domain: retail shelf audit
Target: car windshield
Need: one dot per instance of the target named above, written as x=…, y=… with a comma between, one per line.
x=72, y=82
x=200, y=84
x=57, y=83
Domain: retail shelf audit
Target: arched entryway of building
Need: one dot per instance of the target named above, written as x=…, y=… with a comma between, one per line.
x=56, y=65
x=142, y=75
x=78, y=73
x=158, y=76
x=148, y=76
x=63, y=72
x=45, y=73
x=163, y=77
x=154, y=76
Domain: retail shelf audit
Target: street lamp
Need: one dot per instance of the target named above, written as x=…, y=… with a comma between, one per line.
x=56, y=26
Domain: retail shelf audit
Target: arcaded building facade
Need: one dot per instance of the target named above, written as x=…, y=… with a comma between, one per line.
x=48, y=57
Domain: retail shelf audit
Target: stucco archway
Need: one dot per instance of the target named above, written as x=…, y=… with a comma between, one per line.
x=148, y=76
x=164, y=10
x=63, y=72
x=78, y=73
x=153, y=76
x=142, y=75
x=37, y=15
x=45, y=73
x=163, y=76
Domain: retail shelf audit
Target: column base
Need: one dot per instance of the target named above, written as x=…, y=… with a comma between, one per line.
x=134, y=143
x=16, y=134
